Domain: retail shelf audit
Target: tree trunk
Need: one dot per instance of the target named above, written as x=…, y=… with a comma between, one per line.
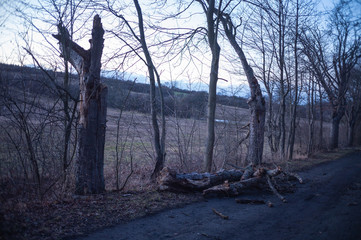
x=292, y=134
x=92, y=108
x=337, y=115
x=211, y=113
x=350, y=137
x=256, y=102
x=310, y=145
x=257, y=125
x=335, y=132
x=171, y=180
x=90, y=162
x=281, y=50
x=320, y=143
x=159, y=141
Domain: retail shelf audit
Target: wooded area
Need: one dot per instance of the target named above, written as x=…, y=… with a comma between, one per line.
x=300, y=67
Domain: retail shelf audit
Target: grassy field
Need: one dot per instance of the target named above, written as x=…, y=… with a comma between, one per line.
x=131, y=151
x=185, y=144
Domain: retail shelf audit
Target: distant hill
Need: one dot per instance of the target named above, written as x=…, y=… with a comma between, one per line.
x=124, y=94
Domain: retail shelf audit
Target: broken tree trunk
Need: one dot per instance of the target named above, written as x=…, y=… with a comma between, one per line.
x=171, y=180
x=222, y=183
x=254, y=180
x=92, y=107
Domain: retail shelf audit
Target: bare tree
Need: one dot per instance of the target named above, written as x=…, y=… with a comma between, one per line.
x=256, y=102
x=159, y=140
x=154, y=77
x=212, y=34
x=92, y=107
x=353, y=109
x=333, y=72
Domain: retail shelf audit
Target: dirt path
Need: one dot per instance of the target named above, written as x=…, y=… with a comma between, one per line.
x=327, y=206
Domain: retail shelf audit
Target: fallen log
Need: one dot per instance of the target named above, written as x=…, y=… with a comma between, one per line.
x=250, y=201
x=231, y=189
x=222, y=183
x=171, y=180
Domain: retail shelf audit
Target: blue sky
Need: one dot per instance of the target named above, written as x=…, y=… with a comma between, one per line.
x=189, y=73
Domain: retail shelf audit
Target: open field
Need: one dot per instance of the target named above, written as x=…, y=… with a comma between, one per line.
x=185, y=143
x=133, y=152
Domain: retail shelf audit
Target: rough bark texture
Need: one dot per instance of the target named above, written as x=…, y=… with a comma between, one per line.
x=92, y=108
x=256, y=102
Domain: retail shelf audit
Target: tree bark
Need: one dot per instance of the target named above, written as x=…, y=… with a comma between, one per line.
x=92, y=108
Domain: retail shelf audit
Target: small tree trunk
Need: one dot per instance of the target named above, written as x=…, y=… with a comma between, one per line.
x=158, y=139
x=211, y=113
x=321, y=118
x=292, y=133
x=350, y=137
x=334, y=132
x=310, y=147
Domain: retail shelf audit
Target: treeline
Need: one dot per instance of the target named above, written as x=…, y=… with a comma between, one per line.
x=123, y=94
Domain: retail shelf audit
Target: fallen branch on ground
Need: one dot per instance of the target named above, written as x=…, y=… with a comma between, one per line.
x=171, y=180
x=220, y=214
x=274, y=190
x=250, y=201
x=224, y=182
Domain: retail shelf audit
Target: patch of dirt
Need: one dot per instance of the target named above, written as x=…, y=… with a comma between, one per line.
x=79, y=215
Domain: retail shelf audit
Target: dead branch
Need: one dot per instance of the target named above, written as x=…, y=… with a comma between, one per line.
x=220, y=214
x=274, y=190
x=293, y=175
